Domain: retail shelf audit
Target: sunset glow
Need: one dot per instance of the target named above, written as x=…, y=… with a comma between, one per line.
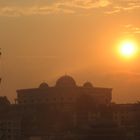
x=91, y=40
x=128, y=49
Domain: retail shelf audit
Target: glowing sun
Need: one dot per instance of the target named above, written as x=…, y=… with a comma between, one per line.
x=128, y=49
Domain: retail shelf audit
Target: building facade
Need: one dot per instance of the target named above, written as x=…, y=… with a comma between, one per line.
x=68, y=111
x=65, y=92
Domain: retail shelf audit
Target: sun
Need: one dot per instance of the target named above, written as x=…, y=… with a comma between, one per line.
x=128, y=48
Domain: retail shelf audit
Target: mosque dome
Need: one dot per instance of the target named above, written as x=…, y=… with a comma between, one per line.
x=88, y=85
x=65, y=81
x=43, y=85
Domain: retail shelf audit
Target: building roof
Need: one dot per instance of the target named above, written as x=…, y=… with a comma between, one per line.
x=65, y=81
x=43, y=85
x=65, y=84
x=88, y=85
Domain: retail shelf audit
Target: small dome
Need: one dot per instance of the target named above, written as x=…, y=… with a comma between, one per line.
x=43, y=85
x=88, y=85
x=65, y=81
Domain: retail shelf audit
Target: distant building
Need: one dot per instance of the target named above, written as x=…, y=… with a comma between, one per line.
x=10, y=124
x=125, y=114
x=65, y=92
x=68, y=111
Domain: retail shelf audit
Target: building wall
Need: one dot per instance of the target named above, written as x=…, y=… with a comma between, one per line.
x=10, y=129
x=56, y=95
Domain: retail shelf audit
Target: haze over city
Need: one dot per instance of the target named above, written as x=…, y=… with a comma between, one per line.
x=44, y=39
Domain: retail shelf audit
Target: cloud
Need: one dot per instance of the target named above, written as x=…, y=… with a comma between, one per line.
x=45, y=7
x=33, y=10
x=122, y=6
x=131, y=29
x=88, y=4
x=18, y=8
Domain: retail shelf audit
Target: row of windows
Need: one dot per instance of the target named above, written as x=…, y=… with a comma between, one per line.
x=123, y=112
x=122, y=118
x=9, y=123
x=46, y=100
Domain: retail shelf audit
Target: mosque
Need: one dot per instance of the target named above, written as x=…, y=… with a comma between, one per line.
x=65, y=92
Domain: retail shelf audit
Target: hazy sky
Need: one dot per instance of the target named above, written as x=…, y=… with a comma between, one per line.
x=42, y=40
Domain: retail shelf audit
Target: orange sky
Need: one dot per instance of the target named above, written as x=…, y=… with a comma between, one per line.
x=44, y=39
